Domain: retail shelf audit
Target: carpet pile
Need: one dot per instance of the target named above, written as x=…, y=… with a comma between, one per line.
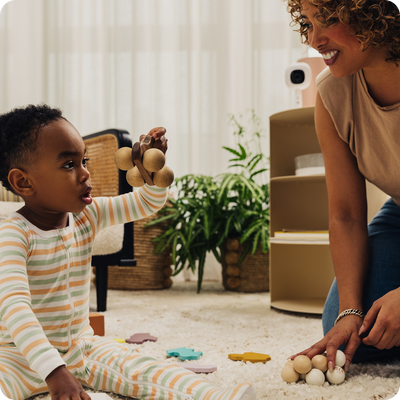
x=218, y=322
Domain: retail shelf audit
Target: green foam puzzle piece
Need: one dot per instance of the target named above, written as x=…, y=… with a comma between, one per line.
x=184, y=353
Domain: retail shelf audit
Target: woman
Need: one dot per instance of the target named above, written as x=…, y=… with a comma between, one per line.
x=357, y=119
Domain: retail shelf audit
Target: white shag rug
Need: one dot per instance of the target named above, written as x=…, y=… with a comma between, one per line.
x=218, y=322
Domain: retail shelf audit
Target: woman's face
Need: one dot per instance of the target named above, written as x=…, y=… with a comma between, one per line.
x=340, y=50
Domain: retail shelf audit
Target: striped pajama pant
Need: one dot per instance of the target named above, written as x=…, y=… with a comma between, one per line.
x=104, y=364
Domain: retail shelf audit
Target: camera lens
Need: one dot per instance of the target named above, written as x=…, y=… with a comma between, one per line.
x=297, y=76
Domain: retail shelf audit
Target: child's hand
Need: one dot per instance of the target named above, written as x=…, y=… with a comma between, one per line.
x=64, y=386
x=160, y=139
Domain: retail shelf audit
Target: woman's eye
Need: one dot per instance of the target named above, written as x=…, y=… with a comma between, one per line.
x=305, y=25
x=85, y=161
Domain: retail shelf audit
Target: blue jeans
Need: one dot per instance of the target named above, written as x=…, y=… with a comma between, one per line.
x=383, y=276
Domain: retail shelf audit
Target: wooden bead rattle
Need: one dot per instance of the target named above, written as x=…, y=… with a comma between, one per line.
x=144, y=164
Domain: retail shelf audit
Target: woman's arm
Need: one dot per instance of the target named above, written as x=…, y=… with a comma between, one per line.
x=348, y=234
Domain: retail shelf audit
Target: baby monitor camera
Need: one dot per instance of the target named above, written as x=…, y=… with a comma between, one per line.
x=298, y=77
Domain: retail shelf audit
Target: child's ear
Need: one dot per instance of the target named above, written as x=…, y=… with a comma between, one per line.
x=20, y=182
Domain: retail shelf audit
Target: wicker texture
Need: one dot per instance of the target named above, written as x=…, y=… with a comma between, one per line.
x=252, y=275
x=152, y=271
x=6, y=195
x=102, y=168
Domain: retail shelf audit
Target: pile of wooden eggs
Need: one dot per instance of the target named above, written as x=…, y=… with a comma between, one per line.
x=314, y=371
x=148, y=168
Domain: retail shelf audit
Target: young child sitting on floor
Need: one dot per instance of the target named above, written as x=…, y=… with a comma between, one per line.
x=46, y=342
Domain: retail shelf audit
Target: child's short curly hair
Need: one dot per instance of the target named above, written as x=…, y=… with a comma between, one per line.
x=376, y=22
x=19, y=131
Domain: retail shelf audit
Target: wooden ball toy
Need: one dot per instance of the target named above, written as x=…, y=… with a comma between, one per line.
x=134, y=177
x=289, y=375
x=340, y=359
x=302, y=364
x=320, y=362
x=164, y=177
x=123, y=158
x=315, y=377
x=336, y=376
x=144, y=163
x=153, y=160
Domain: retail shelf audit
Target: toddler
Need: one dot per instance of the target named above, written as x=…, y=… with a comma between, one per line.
x=46, y=342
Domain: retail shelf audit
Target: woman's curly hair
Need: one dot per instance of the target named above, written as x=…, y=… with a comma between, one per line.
x=376, y=23
x=19, y=130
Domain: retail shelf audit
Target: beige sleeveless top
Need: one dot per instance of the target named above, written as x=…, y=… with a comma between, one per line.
x=372, y=132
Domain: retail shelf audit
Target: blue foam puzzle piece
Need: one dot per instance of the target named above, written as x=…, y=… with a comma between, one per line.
x=184, y=353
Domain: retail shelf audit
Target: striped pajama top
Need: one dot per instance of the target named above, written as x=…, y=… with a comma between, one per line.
x=45, y=276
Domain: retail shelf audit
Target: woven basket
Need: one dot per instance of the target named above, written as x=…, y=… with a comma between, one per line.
x=151, y=271
x=252, y=275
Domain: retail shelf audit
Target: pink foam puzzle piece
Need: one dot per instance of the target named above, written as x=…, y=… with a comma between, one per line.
x=198, y=368
x=139, y=338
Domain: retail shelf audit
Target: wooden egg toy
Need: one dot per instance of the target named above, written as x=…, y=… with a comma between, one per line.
x=302, y=364
x=144, y=164
x=320, y=362
x=134, y=177
x=288, y=374
x=314, y=372
x=340, y=359
x=123, y=158
x=153, y=160
x=336, y=376
x=315, y=377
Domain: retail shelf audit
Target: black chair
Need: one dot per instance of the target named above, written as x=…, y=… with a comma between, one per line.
x=107, y=180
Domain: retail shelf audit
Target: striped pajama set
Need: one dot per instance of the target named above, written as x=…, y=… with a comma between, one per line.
x=44, y=312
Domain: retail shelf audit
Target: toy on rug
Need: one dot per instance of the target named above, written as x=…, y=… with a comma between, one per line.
x=184, y=353
x=139, y=338
x=315, y=371
x=144, y=164
x=252, y=357
x=198, y=368
x=100, y=396
x=96, y=321
x=119, y=340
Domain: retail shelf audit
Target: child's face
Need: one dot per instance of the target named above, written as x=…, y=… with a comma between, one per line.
x=60, y=176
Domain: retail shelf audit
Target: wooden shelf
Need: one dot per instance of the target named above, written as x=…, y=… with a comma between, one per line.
x=301, y=272
x=303, y=305
x=303, y=178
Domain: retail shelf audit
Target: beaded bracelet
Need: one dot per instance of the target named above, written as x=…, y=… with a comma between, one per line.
x=350, y=311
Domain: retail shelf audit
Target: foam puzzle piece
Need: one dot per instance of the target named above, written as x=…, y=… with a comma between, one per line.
x=96, y=321
x=198, y=368
x=139, y=338
x=184, y=353
x=252, y=357
x=99, y=396
x=119, y=340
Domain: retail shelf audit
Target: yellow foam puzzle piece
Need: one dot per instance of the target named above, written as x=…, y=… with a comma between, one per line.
x=119, y=340
x=252, y=357
x=236, y=357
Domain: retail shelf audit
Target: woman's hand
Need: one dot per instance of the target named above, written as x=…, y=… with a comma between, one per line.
x=384, y=316
x=345, y=332
x=64, y=386
x=160, y=139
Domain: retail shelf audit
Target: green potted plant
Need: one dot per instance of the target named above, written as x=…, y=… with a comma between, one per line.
x=225, y=214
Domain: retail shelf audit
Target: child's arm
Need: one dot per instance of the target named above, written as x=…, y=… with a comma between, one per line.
x=129, y=207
